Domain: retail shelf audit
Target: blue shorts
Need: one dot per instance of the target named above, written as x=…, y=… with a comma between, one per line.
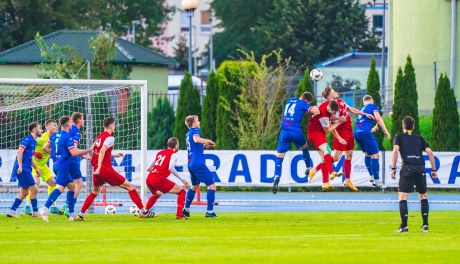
x=75, y=171
x=25, y=179
x=63, y=177
x=367, y=142
x=200, y=173
x=287, y=137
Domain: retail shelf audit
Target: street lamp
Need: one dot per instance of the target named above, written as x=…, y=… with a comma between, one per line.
x=189, y=6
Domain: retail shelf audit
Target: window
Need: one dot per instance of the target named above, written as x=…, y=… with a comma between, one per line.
x=184, y=21
x=206, y=21
x=377, y=23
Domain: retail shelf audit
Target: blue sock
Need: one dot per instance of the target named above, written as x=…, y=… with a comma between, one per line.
x=16, y=204
x=190, y=197
x=34, y=204
x=367, y=161
x=211, y=197
x=71, y=201
x=52, y=198
x=375, y=166
x=306, y=158
x=278, y=166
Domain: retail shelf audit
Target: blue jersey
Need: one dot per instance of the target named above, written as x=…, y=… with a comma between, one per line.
x=363, y=123
x=195, y=150
x=74, y=133
x=52, y=142
x=293, y=112
x=63, y=144
x=28, y=144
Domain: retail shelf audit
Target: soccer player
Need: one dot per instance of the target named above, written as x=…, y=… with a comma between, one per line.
x=291, y=132
x=160, y=168
x=411, y=147
x=65, y=150
x=366, y=140
x=318, y=126
x=41, y=158
x=104, y=171
x=197, y=166
x=22, y=170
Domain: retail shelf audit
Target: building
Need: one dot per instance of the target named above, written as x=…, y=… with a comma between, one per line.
x=423, y=30
x=373, y=9
x=21, y=61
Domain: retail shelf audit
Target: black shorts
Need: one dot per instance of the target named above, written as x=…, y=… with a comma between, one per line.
x=411, y=176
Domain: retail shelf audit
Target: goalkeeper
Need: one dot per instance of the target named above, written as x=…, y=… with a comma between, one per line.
x=41, y=158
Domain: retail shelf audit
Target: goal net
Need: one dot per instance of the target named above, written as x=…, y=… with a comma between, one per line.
x=23, y=101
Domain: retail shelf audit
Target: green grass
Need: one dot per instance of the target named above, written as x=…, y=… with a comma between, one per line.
x=329, y=237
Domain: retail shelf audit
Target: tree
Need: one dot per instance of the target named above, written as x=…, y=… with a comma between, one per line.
x=411, y=95
x=398, y=104
x=445, y=128
x=188, y=104
x=159, y=124
x=181, y=52
x=209, y=115
x=373, y=89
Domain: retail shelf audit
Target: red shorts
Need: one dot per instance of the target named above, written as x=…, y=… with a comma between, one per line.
x=159, y=184
x=349, y=138
x=108, y=175
x=317, y=138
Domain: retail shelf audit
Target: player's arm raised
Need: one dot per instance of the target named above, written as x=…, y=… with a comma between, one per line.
x=206, y=142
x=74, y=151
x=357, y=112
x=380, y=122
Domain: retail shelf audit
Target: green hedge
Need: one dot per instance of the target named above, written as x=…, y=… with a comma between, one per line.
x=425, y=129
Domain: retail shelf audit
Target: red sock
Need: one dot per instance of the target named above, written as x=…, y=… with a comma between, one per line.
x=88, y=202
x=328, y=161
x=152, y=200
x=324, y=172
x=319, y=166
x=347, y=168
x=180, y=202
x=136, y=198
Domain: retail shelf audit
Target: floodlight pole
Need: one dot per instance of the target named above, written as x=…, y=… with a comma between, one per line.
x=89, y=134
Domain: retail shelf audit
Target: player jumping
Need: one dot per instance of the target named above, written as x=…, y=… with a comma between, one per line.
x=291, y=132
x=160, y=168
x=366, y=140
x=197, y=166
x=104, y=171
x=22, y=170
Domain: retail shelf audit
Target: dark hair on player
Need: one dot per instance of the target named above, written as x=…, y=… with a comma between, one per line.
x=326, y=92
x=307, y=96
x=63, y=120
x=108, y=121
x=172, y=142
x=49, y=121
x=367, y=98
x=409, y=123
x=334, y=105
x=76, y=116
x=189, y=120
x=33, y=125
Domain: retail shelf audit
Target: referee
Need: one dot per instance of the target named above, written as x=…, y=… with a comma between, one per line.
x=412, y=171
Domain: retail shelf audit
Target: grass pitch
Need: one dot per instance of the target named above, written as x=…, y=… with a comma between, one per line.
x=316, y=237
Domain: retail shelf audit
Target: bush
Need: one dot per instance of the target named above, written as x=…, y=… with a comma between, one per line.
x=209, y=115
x=160, y=124
x=373, y=89
x=425, y=130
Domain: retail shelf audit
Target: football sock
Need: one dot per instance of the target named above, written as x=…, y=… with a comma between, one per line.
x=306, y=157
x=211, y=197
x=88, y=202
x=347, y=168
x=52, y=198
x=190, y=197
x=328, y=161
x=17, y=202
x=278, y=166
x=50, y=190
x=319, y=166
x=136, y=199
x=71, y=201
x=425, y=208
x=367, y=161
x=152, y=200
x=180, y=202
x=34, y=204
x=375, y=166
x=324, y=172
x=403, y=211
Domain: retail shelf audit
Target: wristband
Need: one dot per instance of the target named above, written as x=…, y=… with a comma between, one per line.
x=393, y=168
x=434, y=170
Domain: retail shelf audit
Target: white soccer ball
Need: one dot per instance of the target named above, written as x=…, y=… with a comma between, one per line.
x=316, y=75
x=133, y=210
x=110, y=209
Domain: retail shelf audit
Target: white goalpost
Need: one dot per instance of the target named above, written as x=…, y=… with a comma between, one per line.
x=23, y=101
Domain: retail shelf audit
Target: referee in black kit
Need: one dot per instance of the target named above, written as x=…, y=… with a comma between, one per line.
x=411, y=147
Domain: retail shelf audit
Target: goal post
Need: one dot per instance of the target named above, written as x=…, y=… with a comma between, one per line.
x=27, y=100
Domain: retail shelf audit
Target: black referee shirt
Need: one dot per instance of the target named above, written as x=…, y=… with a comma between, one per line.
x=411, y=147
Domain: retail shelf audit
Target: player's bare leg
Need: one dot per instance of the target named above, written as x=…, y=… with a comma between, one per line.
x=190, y=196
x=134, y=195
x=88, y=202
x=27, y=208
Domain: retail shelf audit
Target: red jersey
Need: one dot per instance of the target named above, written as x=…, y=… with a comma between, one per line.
x=105, y=138
x=159, y=168
x=317, y=122
x=343, y=111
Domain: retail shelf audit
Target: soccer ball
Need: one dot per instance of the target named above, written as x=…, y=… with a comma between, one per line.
x=110, y=209
x=316, y=75
x=133, y=210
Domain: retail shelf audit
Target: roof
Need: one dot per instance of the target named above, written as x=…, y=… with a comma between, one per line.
x=126, y=52
x=352, y=59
